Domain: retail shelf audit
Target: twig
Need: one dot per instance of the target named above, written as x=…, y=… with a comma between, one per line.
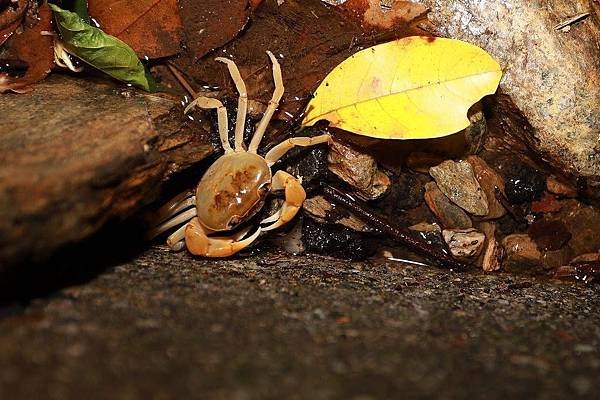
x=182, y=81
x=568, y=22
x=400, y=234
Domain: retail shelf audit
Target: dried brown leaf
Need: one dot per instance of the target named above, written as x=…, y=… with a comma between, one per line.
x=152, y=28
x=11, y=18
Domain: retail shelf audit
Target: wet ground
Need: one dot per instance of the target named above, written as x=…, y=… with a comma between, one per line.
x=167, y=326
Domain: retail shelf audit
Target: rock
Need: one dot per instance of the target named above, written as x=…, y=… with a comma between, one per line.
x=76, y=154
x=475, y=133
x=323, y=211
x=450, y=215
x=521, y=253
x=546, y=204
x=522, y=183
x=335, y=241
x=464, y=243
x=560, y=188
x=425, y=227
x=549, y=234
x=589, y=257
x=551, y=76
x=310, y=166
x=432, y=233
x=582, y=271
x=290, y=241
x=457, y=181
x=405, y=193
x=583, y=221
x=358, y=170
x=489, y=180
x=555, y=258
x=493, y=252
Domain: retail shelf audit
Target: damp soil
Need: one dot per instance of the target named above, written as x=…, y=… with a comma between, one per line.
x=166, y=325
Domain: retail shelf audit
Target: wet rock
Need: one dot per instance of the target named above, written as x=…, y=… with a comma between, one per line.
x=310, y=166
x=551, y=76
x=323, y=211
x=464, y=243
x=489, y=180
x=523, y=183
x=589, y=257
x=450, y=215
x=555, y=258
x=405, y=192
x=475, y=133
x=432, y=233
x=546, y=204
x=457, y=181
x=425, y=227
x=521, y=254
x=290, y=241
x=549, y=234
x=493, y=252
x=101, y=153
x=507, y=225
x=358, y=170
x=560, y=188
x=583, y=222
x=335, y=241
x=581, y=271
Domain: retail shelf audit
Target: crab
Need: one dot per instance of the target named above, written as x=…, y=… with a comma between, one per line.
x=235, y=186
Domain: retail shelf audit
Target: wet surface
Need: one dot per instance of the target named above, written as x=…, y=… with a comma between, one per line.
x=167, y=325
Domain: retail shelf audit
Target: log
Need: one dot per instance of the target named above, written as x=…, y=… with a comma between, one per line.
x=77, y=153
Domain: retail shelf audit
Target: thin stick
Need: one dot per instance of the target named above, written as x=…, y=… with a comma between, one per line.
x=402, y=235
x=182, y=81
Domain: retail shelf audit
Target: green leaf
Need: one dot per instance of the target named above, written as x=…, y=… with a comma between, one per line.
x=102, y=51
x=80, y=7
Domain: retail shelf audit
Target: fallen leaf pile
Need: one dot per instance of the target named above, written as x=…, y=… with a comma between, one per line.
x=388, y=76
x=33, y=47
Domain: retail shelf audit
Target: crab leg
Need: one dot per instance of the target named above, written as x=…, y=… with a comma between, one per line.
x=240, y=121
x=207, y=102
x=294, y=197
x=175, y=241
x=173, y=206
x=198, y=243
x=273, y=104
x=279, y=151
x=168, y=224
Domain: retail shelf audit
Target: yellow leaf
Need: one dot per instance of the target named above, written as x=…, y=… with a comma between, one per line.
x=415, y=87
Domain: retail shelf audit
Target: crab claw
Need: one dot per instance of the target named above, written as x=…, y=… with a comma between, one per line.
x=198, y=243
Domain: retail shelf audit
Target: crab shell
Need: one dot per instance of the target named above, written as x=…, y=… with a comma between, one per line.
x=232, y=190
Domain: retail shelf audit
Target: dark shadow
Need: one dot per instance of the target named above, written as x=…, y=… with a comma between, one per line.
x=74, y=264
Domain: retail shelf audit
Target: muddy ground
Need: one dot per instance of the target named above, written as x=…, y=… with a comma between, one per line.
x=168, y=326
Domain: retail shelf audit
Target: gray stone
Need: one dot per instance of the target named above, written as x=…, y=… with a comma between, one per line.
x=489, y=180
x=457, y=181
x=449, y=214
x=358, y=169
x=464, y=243
x=551, y=76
